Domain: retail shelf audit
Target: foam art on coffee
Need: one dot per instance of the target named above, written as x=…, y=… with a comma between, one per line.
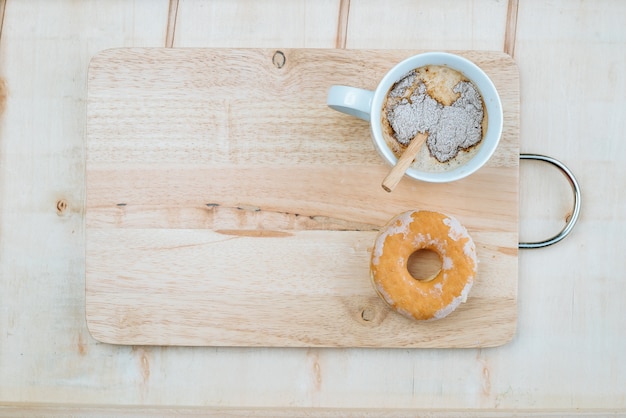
x=441, y=102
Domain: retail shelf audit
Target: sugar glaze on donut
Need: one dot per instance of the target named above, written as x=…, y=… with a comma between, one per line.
x=417, y=230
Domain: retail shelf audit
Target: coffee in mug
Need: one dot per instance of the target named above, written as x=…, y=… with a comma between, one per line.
x=445, y=104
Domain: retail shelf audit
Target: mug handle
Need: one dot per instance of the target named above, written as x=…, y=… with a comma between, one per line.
x=351, y=100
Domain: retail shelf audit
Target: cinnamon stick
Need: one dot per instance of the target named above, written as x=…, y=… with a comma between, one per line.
x=393, y=178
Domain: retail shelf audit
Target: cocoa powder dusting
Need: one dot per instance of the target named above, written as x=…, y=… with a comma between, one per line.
x=410, y=109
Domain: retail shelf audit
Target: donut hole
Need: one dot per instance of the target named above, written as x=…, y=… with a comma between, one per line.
x=424, y=265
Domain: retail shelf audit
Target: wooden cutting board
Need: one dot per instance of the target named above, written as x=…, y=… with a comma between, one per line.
x=227, y=205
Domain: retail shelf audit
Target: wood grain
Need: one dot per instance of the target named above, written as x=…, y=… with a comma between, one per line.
x=224, y=199
x=425, y=24
x=249, y=23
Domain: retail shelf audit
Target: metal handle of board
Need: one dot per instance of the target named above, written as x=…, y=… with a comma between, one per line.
x=569, y=225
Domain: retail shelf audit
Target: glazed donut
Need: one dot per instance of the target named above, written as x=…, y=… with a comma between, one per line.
x=423, y=299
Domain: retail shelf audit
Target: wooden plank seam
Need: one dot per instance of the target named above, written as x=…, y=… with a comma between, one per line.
x=3, y=5
x=511, y=27
x=342, y=24
x=172, y=14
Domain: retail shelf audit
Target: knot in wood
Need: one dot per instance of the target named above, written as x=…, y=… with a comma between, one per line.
x=368, y=314
x=279, y=59
x=61, y=206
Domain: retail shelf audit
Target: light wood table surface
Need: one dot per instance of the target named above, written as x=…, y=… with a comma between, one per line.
x=567, y=355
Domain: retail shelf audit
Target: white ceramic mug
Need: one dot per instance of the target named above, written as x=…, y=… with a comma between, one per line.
x=367, y=105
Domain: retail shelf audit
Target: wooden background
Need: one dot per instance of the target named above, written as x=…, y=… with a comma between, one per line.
x=567, y=354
